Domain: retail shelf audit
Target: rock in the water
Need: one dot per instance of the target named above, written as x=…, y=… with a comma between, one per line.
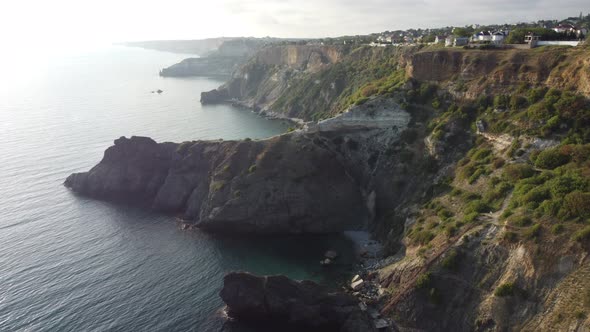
x=326, y=262
x=159, y=91
x=355, y=278
x=280, y=300
x=331, y=254
x=214, y=96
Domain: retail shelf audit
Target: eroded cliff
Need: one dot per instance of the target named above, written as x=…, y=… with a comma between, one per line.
x=470, y=166
x=293, y=183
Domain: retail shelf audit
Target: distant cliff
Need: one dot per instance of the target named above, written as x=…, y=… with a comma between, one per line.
x=226, y=58
x=304, y=81
x=199, y=46
x=211, y=66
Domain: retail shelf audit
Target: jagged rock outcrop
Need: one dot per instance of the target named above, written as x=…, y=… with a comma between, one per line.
x=279, y=301
x=214, y=96
x=131, y=170
x=272, y=186
x=293, y=183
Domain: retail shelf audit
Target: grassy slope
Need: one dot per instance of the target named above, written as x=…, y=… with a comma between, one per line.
x=514, y=189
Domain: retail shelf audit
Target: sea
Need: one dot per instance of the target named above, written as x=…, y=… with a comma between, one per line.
x=69, y=263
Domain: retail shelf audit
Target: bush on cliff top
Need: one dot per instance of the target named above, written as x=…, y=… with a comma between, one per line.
x=506, y=289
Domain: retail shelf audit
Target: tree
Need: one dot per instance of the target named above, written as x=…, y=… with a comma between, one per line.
x=463, y=32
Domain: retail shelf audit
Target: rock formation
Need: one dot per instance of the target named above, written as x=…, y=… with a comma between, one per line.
x=222, y=61
x=280, y=301
x=293, y=183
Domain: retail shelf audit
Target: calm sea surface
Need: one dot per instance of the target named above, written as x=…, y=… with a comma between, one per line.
x=68, y=263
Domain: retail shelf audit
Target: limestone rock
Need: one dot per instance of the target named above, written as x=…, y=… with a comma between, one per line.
x=281, y=300
x=357, y=284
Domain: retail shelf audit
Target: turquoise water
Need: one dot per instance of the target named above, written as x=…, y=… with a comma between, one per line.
x=69, y=263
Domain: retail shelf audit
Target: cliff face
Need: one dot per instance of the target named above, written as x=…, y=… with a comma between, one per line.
x=490, y=72
x=262, y=186
x=292, y=183
x=303, y=304
x=485, y=237
x=208, y=67
x=265, y=77
x=222, y=60
x=304, y=81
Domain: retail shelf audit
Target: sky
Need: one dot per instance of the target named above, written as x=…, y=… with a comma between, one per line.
x=54, y=22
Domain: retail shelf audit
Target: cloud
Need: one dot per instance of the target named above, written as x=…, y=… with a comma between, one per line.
x=339, y=17
x=120, y=20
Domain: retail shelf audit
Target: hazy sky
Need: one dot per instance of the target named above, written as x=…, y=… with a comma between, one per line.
x=44, y=21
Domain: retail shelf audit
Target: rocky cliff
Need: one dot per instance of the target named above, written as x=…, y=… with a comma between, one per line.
x=265, y=77
x=474, y=73
x=277, y=185
x=281, y=302
x=223, y=60
x=211, y=66
x=471, y=167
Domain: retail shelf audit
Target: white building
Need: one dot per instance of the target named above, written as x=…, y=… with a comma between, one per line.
x=498, y=37
x=483, y=36
x=564, y=28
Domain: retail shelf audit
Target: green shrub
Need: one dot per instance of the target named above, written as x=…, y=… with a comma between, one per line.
x=436, y=103
x=501, y=101
x=557, y=229
x=456, y=192
x=476, y=206
x=515, y=172
x=481, y=154
x=507, y=213
x=536, y=195
x=538, y=112
x=450, y=261
x=478, y=173
x=521, y=221
x=217, y=185
x=510, y=236
x=470, y=217
x=551, y=159
x=551, y=207
x=498, y=163
x=469, y=196
x=424, y=281
x=506, y=289
x=451, y=230
x=252, y=169
x=513, y=148
x=517, y=102
x=582, y=235
x=533, y=232
x=422, y=237
x=534, y=95
x=576, y=204
x=444, y=214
